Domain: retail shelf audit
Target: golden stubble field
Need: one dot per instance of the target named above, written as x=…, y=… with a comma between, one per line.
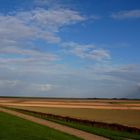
x=125, y=112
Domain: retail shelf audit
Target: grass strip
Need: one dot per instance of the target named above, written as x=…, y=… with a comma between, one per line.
x=15, y=128
x=108, y=133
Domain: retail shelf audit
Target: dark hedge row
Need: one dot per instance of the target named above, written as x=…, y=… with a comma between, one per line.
x=112, y=126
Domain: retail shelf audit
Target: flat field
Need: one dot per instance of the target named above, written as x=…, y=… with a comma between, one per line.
x=125, y=112
x=15, y=128
x=125, y=117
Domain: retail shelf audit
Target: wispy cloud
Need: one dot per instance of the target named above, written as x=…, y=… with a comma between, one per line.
x=19, y=29
x=127, y=72
x=128, y=14
x=35, y=53
x=11, y=86
x=37, y=24
x=88, y=51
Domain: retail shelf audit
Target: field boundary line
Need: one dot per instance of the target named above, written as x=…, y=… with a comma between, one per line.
x=62, y=128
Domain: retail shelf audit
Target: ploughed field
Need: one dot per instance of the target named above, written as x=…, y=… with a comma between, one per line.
x=124, y=112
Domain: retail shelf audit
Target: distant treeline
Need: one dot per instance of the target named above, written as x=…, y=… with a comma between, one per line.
x=112, y=126
x=68, y=98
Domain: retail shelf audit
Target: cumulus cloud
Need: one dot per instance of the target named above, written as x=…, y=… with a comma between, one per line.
x=128, y=14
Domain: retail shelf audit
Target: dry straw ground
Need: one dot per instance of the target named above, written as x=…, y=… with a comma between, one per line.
x=125, y=112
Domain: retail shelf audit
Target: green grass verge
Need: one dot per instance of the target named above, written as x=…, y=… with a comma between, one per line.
x=111, y=134
x=114, y=135
x=14, y=128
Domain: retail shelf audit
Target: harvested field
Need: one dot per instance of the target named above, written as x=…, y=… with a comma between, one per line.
x=124, y=117
x=125, y=112
x=93, y=104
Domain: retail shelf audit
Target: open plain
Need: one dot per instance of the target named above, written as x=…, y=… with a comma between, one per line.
x=124, y=112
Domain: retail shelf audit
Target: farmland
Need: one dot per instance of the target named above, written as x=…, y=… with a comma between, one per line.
x=126, y=117
x=123, y=112
x=114, y=132
x=111, y=111
x=15, y=128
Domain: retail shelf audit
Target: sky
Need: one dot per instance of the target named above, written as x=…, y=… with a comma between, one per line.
x=71, y=48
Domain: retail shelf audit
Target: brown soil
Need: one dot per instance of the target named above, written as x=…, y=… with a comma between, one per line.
x=72, y=131
x=95, y=104
x=73, y=106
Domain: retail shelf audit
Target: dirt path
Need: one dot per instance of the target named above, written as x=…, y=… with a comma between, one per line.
x=72, y=131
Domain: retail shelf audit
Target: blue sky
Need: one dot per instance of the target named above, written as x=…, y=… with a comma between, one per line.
x=71, y=48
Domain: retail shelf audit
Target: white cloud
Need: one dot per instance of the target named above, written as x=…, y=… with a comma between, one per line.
x=51, y=19
x=64, y=80
x=128, y=14
x=19, y=29
x=19, y=87
x=99, y=54
x=11, y=28
x=38, y=23
x=50, y=3
x=17, y=57
x=8, y=83
x=87, y=51
x=28, y=71
x=45, y=87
